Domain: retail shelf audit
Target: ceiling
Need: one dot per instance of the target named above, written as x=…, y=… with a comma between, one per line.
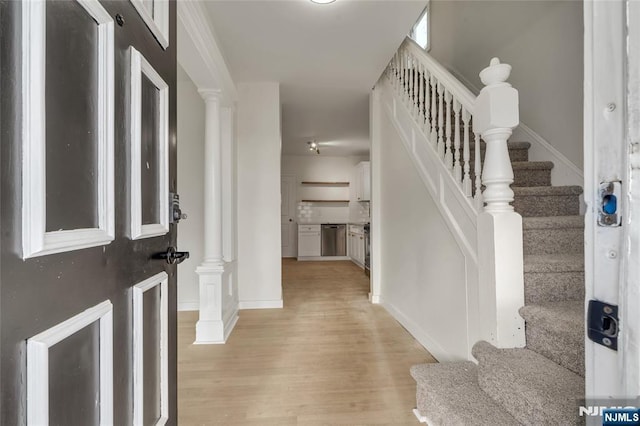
x=326, y=58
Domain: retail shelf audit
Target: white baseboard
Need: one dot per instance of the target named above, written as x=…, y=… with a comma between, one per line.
x=418, y=333
x=374, y=298
x=230, y=325
x=261, y=304
x=188, y=306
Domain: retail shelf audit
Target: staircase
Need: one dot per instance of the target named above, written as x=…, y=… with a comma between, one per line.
x=541, y=383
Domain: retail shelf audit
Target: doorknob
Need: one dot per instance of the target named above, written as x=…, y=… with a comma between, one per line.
x=172, y=256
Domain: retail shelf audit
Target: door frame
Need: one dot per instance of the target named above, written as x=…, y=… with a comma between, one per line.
x=609, y=251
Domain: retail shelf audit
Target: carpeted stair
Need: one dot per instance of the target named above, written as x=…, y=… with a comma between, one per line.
x=541, y=383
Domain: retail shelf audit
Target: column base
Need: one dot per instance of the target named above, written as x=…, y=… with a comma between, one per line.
x=214, y=325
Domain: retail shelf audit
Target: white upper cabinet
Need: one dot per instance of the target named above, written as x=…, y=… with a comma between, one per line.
x=363, y=181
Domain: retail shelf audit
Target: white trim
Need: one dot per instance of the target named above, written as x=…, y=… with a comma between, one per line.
x=188, y=306
x=199, y=53
x=437, y=351
x=35, y=240
x=564, y=171
x=161, y=280
x=38, y=363
x=159, y=22
x=605, y=156
x=261, y=304
x=140, y=66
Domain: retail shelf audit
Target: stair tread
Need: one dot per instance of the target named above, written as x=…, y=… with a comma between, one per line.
x=452, y=395
x=532, y=165
x=553, y=222
x=563, y=317
x=556, y=330
x=547, y=190
x=553, y=263
x=532, y=388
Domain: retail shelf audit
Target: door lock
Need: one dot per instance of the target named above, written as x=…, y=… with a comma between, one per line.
x=602, y=324
x=175, y=213
x=609, y=195
x=172, y=256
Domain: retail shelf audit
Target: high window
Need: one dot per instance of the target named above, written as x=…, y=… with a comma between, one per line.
x=420, y=31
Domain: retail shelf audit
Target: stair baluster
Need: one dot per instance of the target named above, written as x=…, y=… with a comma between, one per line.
x=434, y=117
x=466, y=180
x=457, y=170
x=477, y=170
x=411, y=85
x=440, y=120
x=420, y=74
x=448, y=156
x=427, y=102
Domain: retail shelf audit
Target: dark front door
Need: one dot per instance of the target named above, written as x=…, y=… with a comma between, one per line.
x=87, y=137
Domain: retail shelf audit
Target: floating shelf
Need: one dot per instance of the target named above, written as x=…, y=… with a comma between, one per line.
x=325, y=201
x=326, y=183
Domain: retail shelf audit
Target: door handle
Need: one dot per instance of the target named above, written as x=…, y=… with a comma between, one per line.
x=172, y=256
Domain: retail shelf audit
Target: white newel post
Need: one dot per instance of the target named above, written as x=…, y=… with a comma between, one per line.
x=500, y=256
x=210, y=326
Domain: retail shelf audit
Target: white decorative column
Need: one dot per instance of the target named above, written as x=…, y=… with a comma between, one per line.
x=210, y=327
x=500, y=259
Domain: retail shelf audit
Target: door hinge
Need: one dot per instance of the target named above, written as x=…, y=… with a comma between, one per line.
x=602, y=324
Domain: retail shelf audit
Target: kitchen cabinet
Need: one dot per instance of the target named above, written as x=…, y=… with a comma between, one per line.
x=308, y=240
x=356, y=244
x=363, y=181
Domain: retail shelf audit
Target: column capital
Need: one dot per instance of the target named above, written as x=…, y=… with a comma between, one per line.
x=210, y=95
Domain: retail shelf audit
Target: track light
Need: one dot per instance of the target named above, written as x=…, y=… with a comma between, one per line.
x=313, y=146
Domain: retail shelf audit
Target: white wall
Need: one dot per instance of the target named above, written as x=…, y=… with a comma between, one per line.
x=258, y=174
x=421, y=267
x=319, y=168
x=190, y=110
x=542, y=40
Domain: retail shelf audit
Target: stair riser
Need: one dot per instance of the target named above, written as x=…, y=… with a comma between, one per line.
x=529, y=177
x=553, y=287
x=514, y=154
x=566, y=349
x=547, y=205
x=552, y=241
x=532, y=177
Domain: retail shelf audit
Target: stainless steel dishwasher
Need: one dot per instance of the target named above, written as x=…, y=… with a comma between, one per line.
x=334, y=240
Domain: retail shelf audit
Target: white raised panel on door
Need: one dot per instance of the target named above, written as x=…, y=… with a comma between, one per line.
x=36, y=241
x=38, y=363
x=140, y=67
x=155, y=13
x=139, y=289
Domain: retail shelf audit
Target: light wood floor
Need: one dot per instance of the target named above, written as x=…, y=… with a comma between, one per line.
x=329, y=357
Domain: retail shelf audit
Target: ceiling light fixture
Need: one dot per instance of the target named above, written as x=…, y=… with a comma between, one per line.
x=322, y=1
x=313, y=146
